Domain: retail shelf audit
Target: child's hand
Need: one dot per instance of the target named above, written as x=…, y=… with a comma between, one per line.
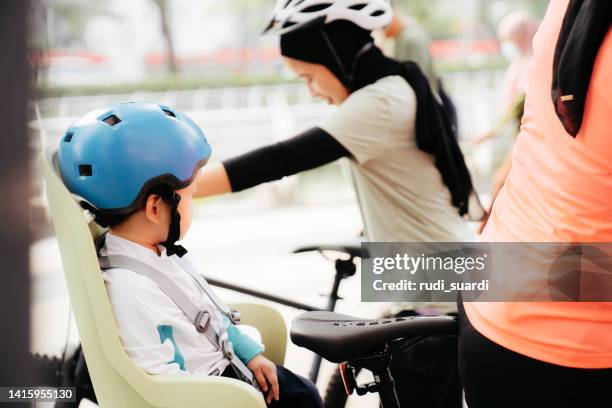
x=265, y=373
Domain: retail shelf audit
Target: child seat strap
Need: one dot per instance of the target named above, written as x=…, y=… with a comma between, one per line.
x=201, y=318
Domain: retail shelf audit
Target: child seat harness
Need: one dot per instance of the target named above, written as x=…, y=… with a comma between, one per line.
x=201, y=319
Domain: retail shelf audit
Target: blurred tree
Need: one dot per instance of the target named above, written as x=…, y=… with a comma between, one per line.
x=162, y=6
x=38, y=38
x=251, y=16
x=66, y=20
x=60, y=24
x=441, y=18
x=484, y=27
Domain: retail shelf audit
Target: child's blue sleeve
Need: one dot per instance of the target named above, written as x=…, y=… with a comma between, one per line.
x=245, y=347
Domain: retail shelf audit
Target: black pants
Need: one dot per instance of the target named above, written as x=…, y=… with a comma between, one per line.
x=493, y=376
x=426, y=375
x=294, y=391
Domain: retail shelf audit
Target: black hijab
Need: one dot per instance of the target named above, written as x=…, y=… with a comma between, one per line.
x=349, y=53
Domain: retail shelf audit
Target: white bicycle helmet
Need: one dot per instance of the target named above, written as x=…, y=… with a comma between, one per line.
x=291, y=15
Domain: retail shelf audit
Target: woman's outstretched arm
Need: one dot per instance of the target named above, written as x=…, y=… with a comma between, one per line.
x=212, y=180
x=310, y=149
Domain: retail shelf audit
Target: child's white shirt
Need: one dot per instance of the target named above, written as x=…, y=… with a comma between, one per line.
x=155, y=333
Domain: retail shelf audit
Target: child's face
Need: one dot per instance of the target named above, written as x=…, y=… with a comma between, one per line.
x=150, y=226
x=156, y=217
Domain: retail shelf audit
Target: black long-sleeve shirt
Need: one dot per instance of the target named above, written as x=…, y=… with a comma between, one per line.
x=308, y=150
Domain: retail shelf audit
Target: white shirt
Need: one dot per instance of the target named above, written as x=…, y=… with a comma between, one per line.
x=399, y=189
x=155, y=333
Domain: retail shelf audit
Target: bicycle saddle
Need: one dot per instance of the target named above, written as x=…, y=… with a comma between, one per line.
x=337, y=337
x=352, y=248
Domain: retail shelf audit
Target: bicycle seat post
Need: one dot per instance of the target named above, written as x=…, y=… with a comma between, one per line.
x=379, y=365
x=344, y=269
x=386, y=388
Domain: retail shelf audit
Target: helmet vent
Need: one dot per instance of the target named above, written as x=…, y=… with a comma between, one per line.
x=111, y=120
x=377, y=13
x=85, y=170
x=316, y=7
x=168, y=112
x=358, y=6
x=68, y=137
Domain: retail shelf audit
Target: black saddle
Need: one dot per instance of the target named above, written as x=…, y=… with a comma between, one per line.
x=352, y=249
x=337, y=337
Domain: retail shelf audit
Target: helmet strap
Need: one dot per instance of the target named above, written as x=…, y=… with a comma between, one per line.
x=347, y=76
x=174, y=232
x=359, y=54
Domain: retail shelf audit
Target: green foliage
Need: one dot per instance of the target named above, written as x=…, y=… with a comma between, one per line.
x=73, y=17
x=160, y=84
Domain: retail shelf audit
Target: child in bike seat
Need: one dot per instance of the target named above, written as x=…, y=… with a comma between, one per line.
x=132, y=165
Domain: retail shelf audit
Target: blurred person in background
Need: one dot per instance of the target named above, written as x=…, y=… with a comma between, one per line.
x=404, y=39
x=559, y=189
x=515, y=33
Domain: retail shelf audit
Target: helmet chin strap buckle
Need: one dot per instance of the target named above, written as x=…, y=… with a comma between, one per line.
x=174, y=232
x=174, y=249
x=235, y=317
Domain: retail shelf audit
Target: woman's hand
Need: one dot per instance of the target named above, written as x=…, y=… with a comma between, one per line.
x=483, y=138
x=212, y=180
x=498, y=182
x=265, y=373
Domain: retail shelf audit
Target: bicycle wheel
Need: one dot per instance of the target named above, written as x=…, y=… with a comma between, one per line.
x=48, y=369
x=335, y=394
x=53, y=372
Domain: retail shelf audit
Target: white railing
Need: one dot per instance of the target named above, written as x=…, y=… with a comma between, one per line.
x=240, y=118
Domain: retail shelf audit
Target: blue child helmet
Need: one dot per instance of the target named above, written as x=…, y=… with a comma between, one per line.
x=112, y=157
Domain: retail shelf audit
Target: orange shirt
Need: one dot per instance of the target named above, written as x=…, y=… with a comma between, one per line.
x=559, y=190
